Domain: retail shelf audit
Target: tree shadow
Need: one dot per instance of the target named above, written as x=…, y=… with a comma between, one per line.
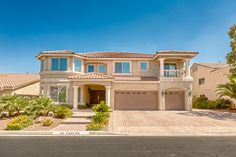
x=211, y=114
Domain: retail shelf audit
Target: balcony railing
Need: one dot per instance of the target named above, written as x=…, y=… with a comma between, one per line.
x=173, y=74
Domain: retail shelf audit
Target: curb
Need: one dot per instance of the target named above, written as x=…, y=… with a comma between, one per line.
x=59, y=133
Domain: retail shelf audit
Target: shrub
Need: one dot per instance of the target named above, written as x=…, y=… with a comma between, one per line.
x=47, y=122
x=102, y=107
x=201, y=102
x=66, y=105
x=62, y=112
x=40, y=106
x=222, y=104
x=100, y=117
x=94, y=126
x=19, y=123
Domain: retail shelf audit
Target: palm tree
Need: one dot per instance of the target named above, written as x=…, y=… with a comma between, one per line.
x=228, y=89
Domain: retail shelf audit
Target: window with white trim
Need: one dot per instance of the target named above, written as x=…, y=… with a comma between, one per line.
x=101, y=68
x=59, y=64
x=143, y=66
x=77, y=65
x=42, y=66
x=122, y=67
x=58, y=93
x=91, y=68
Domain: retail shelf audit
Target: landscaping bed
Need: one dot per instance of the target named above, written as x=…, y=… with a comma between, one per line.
x=34, y=126
x=37, y=114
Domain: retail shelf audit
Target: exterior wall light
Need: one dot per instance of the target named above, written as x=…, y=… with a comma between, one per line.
x=190, y=93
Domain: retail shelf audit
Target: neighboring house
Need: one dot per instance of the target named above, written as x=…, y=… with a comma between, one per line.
x=206, y=77
x=124, y=80
x=19, y=84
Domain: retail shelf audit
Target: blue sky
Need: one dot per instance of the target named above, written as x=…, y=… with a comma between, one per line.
x=28, y=27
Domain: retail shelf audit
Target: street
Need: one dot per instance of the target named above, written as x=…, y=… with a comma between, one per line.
x=117, y=146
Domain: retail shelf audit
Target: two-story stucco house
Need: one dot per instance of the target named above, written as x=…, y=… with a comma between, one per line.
x=207, y=76
x=124, y=80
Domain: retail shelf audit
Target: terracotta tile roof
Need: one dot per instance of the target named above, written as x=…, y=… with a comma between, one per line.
x=134, y=78
x=110, y=54
x=214, y=65
x=13, y=81
x=93, y=75
x=176, y=52
x=57, y=52
x=117, y=55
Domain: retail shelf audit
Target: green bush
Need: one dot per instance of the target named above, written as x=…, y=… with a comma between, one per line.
x=94, y=126
x=101, y=118
x=102, y=107
x=47, y=122
x=62, y=112
x=19, y=123
x=202, y=102
x=222, y=104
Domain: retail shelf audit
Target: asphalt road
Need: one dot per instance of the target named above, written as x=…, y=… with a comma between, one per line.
x=117, y=146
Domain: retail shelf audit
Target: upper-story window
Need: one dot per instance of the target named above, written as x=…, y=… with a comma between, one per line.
x=91, y=68
x=42, y=66
x=77, y=65
x=143, y=66
x=101, y=68
x=59, y=64
x=122, y=67
x=201, y=81
x=170, y=66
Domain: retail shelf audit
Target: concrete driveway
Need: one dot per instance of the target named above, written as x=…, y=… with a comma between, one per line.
x=197, y=122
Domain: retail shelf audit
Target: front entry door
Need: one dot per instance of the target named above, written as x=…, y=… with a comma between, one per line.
x=96, y=96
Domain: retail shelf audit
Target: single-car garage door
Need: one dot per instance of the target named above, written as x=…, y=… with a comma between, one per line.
x=175, y=100
x=136, y=100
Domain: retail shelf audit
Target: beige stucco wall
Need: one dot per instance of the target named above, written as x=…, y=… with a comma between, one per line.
x=212, y=79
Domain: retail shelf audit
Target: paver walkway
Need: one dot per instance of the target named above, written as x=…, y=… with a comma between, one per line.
x=77, y=122
x=197, y=122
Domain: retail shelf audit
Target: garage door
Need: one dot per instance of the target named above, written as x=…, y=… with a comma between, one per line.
x=175, y=100
x=136, y=100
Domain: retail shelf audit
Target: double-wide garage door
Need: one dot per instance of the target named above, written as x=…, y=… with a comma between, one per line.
x=136, y=100
x=175, y=100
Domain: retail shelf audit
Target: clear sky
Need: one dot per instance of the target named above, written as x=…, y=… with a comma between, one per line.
x=30, y=26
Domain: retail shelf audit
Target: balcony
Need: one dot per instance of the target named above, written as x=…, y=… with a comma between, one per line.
x=174, y=74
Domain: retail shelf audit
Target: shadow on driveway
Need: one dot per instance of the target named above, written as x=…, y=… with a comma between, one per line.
x=211, y=114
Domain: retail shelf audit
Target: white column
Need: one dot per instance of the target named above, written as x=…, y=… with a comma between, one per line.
x=82, y=66
x=188, y=68
x=81, y=94
x=161, y=67
x=75, y=102
x=108, y=95
x=161, y=104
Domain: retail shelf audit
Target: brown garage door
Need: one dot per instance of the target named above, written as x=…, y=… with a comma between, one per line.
x=136, y=100
x=175, y=100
